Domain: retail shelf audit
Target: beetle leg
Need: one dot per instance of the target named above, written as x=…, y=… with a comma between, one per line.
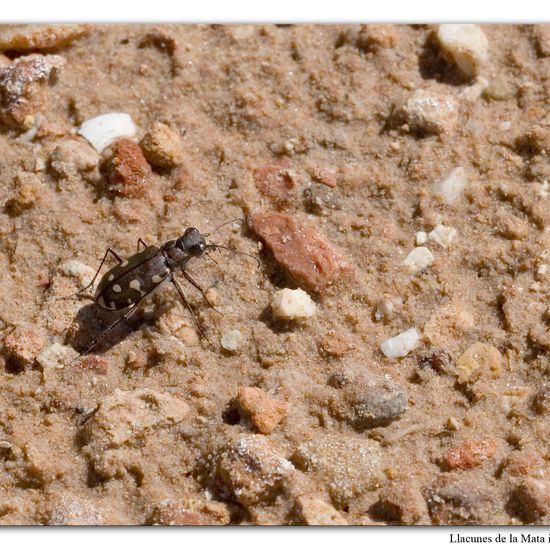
x=201, y=290
x=110, y=328
x=190, y=309
x=141, y=242
x=119, y=259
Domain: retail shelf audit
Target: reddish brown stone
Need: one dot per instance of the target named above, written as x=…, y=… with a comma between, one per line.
x=470, y=454
x=93, y=363
x=311, y=260
x=264, y=412
x=126, y=169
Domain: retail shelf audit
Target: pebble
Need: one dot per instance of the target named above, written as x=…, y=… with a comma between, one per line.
x=384, y=310
x=313, y=510
x=418, y=259
x=400, y=345
x=292, y=304
x=71, y=157
x=274, y=182
x=366, y=401
x=309, y=258
x=126, y=169
x=232, y=340
x=21, y=347
x=428, y=112
x=348, y=466
x=479, y=360
x=402, y=503
x=467, y=46
x=82, y=272
x=162, y=146
x=470, y=454
x=541, y=400
x=264, y=412
x=442, y=235
x=320, y=199
x=421, y=238
x=513, y=228
x=533, y=495
x=23, y=88
x=56, y=356
x=451, y=187
x=103, y=130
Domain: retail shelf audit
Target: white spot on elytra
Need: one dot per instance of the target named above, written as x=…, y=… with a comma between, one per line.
x=117, y=288
x=129, y=300
x=135, y=284
x=111, y=277
x=101, y=302
x=142, y=293
x=156, y=279
x=124, y=263
x=113, y=305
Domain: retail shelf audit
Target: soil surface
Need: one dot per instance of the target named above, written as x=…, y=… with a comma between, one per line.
x=406, y=195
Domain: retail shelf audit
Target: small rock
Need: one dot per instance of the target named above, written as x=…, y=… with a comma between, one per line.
x=71, y=157
x=347, y=466
x=94, y=364
x=470, y=454
x=25, y=38
x=428, y=112
x=126, y=169
x=438, y=360
x=524, y=462
x=189, y=511
x=315, y=511
x=479, y=360
x=290, y=305
x=162, y=146
x=22, y=88
x=499, y=88
x=541, y=34
x=451, y=187
x=327, y=176
x=82, y=272
x=421, y=238
x=442, y=235
x=461, y=499
x=231, y=340
x=310, y=259
x=533, y=496
x=400, y=345
x=513, y=228
x=252, y=470
x=73, y=510
x=264, y=412
x=21, y=346
x=376, y=36
x=402, y=503
x=103, y=130
x=274, y=182
x=514, y=400
x=366, y=401
x=418, y=259
x=320, y=199
x=467, y=46
x=56, y=356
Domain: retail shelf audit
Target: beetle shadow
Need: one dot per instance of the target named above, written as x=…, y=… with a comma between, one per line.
x=92, y=322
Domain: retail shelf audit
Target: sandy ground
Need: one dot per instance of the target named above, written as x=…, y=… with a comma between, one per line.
x=344, y=149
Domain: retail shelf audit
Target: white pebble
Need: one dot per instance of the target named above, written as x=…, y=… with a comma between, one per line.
x=292, y=304
x=56, y=356
x=73, y=268
x=466, y=44
x=400, y=345
x=431, y=112
x=103, y=130
x=442, y=235
x=419, y=258
x=231, y=340
x=421, y=238
x=451, y=187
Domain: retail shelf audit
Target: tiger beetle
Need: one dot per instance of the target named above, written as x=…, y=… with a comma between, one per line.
x=131, y=280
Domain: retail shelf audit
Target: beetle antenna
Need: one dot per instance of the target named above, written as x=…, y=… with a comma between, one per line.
x=240, y=220
x=218, y=246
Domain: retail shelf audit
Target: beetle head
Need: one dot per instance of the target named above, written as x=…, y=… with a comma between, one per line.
x=192, y=242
